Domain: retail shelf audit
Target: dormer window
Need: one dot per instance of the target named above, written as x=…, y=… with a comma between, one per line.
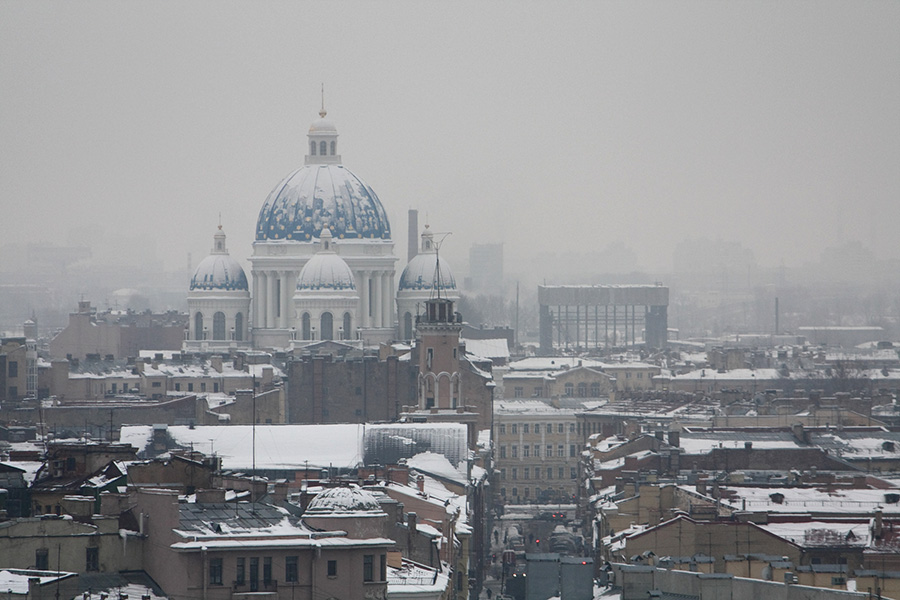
x=312, y=148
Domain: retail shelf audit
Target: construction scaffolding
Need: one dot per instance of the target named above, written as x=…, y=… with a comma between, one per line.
x=602, y=316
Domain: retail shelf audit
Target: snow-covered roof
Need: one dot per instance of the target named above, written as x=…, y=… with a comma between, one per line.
x=277, y=446
x=438, y=465
x=495, y=348
x=343, y=500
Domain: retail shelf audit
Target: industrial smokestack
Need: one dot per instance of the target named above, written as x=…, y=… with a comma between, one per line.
x=413, y=247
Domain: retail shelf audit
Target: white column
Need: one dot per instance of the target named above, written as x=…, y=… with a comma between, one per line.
x=285, y=306
x=254, y=316
x=261, y=301
x=388, y=302
x=378, y=297
x=270, y=300
x=363, y=299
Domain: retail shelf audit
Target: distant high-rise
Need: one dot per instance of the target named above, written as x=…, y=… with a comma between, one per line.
x=486, y=268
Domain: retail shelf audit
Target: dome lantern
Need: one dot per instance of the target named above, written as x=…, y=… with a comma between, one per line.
x=322, y=142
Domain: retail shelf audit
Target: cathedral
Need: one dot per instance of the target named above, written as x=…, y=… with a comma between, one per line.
x=322, y=266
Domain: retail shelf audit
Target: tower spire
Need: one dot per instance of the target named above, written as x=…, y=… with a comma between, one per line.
x=323, y=112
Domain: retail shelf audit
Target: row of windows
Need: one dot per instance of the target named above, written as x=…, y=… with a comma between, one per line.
x=538, y=494
x=247, y=570
x=91, y=559
x=326, y=327
x=535, y=450
x=569, y=389
x=538, y=427
x=323, y=148
x=218, y=332
x=538, y=471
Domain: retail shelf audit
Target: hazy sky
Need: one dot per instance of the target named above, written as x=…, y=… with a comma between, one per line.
x=548, y=126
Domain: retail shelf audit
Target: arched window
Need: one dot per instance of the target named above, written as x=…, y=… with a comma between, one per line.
x=323, y=148
x=198, y=326
x=582, y=390
x=347, y=326
x=239, y=327
x=570, y=389
x=305, y=332
x=312, y=148
x=219, y=326
x=407, y=326
x=333, y=147
x=327, y=322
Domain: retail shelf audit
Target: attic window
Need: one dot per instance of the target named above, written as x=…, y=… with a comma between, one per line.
x=887, y=446
x=891, y=498
x=777, y=498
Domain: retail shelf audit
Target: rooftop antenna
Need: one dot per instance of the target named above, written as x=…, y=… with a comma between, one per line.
x=437, y=261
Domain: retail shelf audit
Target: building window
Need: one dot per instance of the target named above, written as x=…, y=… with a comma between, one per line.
x=570, y=389
x=156, y=384
x=627, y=375
x=382, y=571
x=573, y=473
x=92, y=559
x=502, y=451
x=571, y=427
x=549, y=453
x=332, y=568
x=527, y=473
x=13, y=367
x=305, y=327
x=582, y=390
x=502, y=428
x=640, y=375
x=312, y=148
x=571, y=450
x=327, y=324
x=502, y=474
x=219, y=326
x=515, y=493
x=537, y=451
x=267, y=570
x=515, y=451
x=290, y=569
x=239, y=577
x=177, y=387
x=549, y=427
x=518, y=391
x=538, y=392
x=202, y=386
x=561, y=472
x=525, y=492
x=368, y=567
x=515, y=473
x=323, y=148
x=333, y=147
x=215, y=571
x=595, y=389
x=239, y=327
x=526, y=450
x=190, y=387
x=198, y=326
x=42, y=559
x=560, y=428
x=537, y=472
x=515, y=428
x=216, y=387
x=549, y=472
x=503, y=492
x=254, y=574
x=560, y=451
x=525, y=429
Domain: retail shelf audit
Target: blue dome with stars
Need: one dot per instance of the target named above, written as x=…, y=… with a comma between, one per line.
x=317, y=195
x=219, y=271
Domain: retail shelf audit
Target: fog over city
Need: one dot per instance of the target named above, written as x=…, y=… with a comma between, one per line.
x=587, y=138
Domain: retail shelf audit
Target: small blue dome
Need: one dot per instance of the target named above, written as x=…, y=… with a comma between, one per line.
x=219, y=271
x=325, y=270
x=317, y=195
x=419, y=274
